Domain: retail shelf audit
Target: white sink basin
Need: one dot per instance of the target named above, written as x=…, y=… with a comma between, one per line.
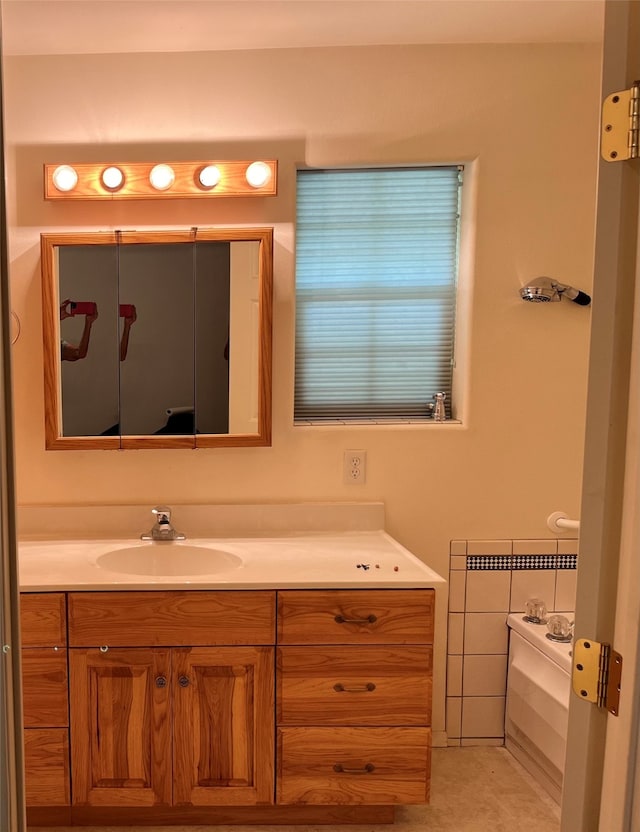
x=168, y=559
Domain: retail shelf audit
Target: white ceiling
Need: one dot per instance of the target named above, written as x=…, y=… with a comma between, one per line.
x=101, y=26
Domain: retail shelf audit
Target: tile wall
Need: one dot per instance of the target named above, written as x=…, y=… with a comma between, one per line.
x=487, y=580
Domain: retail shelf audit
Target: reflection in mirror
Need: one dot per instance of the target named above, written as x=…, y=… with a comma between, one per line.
x=157, y=339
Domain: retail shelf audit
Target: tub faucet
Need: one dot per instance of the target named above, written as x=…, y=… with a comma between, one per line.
x=162, y=528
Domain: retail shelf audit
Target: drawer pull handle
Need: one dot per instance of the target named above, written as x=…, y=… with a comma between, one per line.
x=339, y=688
x=161, y=681
x=183, y=681
x=370, y=619
x=365, y=770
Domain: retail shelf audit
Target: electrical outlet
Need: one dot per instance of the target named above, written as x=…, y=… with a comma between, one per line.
x=354, y=467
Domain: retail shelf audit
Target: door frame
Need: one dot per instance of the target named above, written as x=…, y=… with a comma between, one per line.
x=599, y=765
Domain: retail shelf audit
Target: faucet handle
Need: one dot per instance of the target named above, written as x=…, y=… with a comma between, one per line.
x=162, y=513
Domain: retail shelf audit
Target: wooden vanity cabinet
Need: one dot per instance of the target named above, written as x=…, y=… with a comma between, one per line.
x=221, y=707
x=45, y=700
x=177, y=725
x=354, y=671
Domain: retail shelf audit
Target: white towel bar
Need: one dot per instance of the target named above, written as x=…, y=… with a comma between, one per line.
x=560, y=522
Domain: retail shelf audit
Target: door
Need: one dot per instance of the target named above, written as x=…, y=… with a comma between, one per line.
x=223, y=725
x=120, y=727
x=599, y=772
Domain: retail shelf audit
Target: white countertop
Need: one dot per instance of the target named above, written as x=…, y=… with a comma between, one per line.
x=368, y=559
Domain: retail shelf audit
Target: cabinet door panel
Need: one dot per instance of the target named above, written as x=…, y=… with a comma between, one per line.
x=46, y=766
x=223, y=724
x=44, y=688
x=43, y=619
x=173, y=618
x=120, y=727
x=356, y=616
x=354, y=686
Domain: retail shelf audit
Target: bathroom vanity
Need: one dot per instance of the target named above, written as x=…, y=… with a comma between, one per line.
x=293, y=688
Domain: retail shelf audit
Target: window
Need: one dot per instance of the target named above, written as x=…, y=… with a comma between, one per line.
x=376, y=269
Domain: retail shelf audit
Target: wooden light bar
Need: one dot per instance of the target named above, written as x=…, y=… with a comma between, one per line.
x=174, y=180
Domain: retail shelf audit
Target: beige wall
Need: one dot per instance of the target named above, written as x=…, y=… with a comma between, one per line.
x=526, y=116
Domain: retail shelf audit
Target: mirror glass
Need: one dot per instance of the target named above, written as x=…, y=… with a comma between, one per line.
x=160, y=339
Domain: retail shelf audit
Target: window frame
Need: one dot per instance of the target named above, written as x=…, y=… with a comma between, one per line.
x=467, y=175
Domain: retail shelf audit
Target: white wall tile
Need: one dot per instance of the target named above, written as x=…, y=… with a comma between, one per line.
x=489, y=547
x=484, y=676
x=485, y=632
x=532, y=583
x=483, y=716
x=457, y=582
x=488, y=591
x=566, y=580
x=454, y=716
x=535, y=547
x=454, y=676
x=458, y=562
x=567, y=547
x=455, y=641
x=458, y=547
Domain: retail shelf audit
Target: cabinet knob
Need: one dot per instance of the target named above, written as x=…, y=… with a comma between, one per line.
x=183, y=681
x=370, y=619
x=161, y=681
x=340, y=688
x=367, y=769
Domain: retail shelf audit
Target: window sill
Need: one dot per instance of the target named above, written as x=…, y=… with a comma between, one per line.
x=331, y=423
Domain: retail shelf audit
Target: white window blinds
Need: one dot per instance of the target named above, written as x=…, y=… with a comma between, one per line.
x=376, y=268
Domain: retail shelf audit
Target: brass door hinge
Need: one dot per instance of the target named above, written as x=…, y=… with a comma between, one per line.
x=620, y=123
x=597, y=670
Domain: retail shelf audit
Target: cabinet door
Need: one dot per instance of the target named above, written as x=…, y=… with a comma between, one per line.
x=44, y=688
x=120, y=727
x=43, y=619
x=46, y=766
x=223, y=725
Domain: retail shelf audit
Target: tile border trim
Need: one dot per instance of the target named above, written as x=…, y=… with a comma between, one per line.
x=519, y=562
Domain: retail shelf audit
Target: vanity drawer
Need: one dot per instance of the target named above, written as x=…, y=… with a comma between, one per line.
x=354, y=765
x=46, y=766
x=356, y=616
x=44, y=688
x=178, y=618
x=43, y=619
x=354, y=686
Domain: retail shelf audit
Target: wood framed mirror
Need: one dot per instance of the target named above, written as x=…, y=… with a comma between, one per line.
x=157, y=339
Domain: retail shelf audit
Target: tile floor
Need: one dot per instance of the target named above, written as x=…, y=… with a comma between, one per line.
x=472, y=790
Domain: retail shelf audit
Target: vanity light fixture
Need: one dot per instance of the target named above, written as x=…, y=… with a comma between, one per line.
x=164, y=180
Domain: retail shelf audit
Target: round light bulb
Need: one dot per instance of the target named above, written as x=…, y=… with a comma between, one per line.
x=162, y=177
x=112, y=178
x=209, y=176
x=65, y=178
x=258, y=174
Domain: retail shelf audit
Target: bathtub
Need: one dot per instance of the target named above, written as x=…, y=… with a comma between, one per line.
x=537, y=712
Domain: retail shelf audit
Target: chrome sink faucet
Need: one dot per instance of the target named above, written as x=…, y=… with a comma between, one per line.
x=162, y=528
